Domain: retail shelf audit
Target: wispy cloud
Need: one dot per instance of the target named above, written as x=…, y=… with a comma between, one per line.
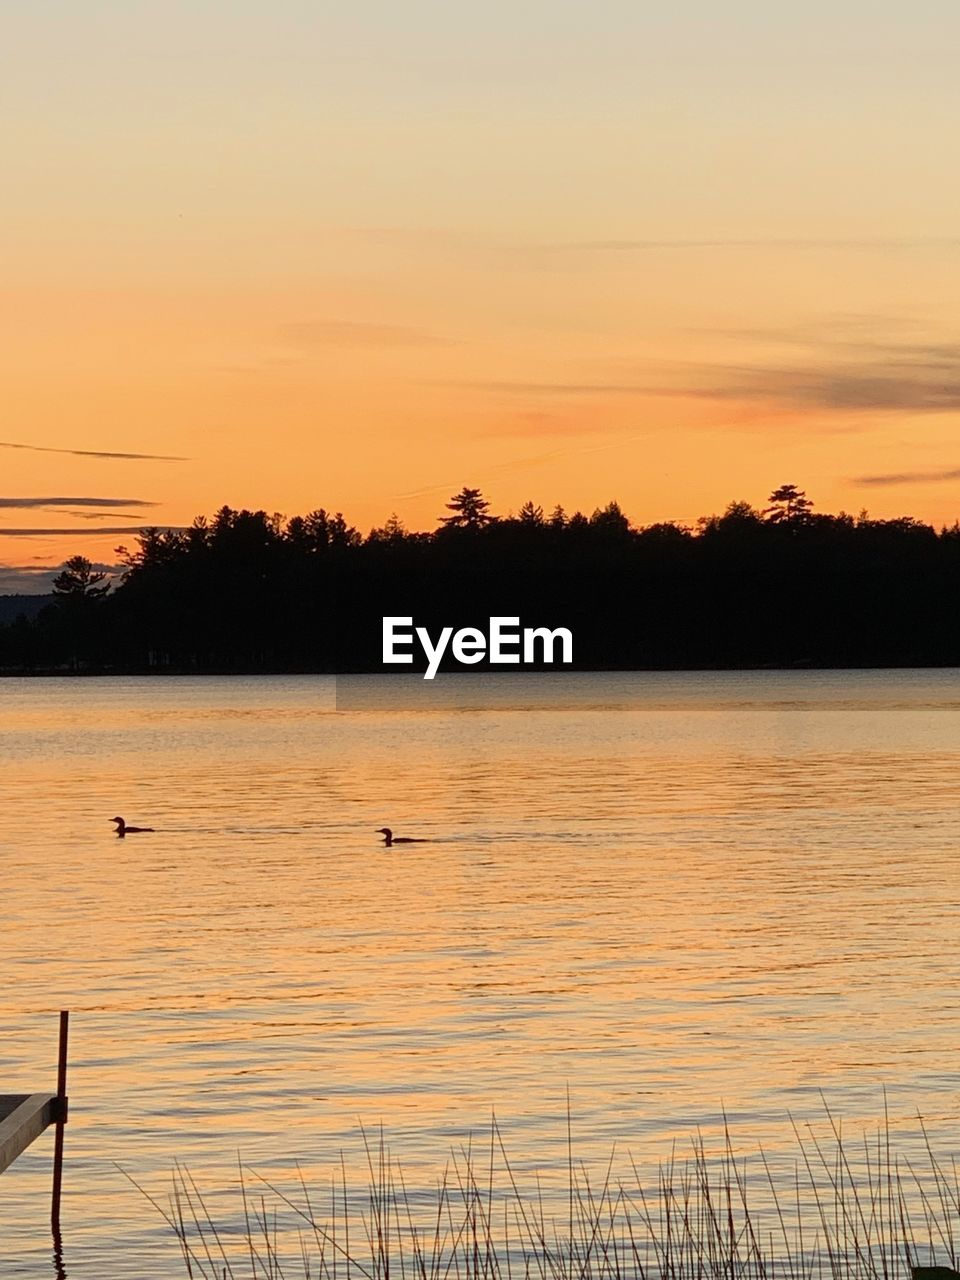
x=845, y=375
x=94, y=453
x=923, y=382
x=34, y=580
x=25, y=503
x=528, y=463
x=98, y=515
x=357, y=333
x=877, y=244
x=867, y=387
x=532, y=424
x=850, y=328
x=79, y=532
x=908, y=477
x=844, y=364
x=564, y=388
x=844, y=368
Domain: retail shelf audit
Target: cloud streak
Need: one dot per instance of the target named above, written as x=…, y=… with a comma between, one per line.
x=564, y=388
x=759, y=242
x=36, y=580
x=26, y=503
x=932, y=387
x=841, y=369
x=98, y=515
x=531, y=461
x=80, y=532
x=847, y=376
x=94, y=453
x=908, y=477
x=847, y=389
x=356, y=333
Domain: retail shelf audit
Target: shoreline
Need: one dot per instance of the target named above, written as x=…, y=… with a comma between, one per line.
x=470, y=673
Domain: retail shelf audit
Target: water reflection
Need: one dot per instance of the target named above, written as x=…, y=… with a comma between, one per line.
x=674, y=893
x=59, y=1267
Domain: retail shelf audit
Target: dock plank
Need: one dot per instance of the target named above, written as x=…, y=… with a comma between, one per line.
x=23, y=1117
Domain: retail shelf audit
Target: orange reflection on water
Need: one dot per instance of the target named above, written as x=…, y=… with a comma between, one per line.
x=674, y=894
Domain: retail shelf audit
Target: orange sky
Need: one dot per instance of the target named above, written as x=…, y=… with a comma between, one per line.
x=564, y=252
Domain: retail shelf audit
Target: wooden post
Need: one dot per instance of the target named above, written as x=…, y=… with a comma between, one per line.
x=61, y=1120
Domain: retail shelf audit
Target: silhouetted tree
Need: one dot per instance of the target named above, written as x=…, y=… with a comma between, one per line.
x=665, y=533
x=393, y=530
x=610, y=518
x=343, y=534
x=788, y=505
x=470, y=511
x=531, y=514
x=79, y=590
x=80, y=580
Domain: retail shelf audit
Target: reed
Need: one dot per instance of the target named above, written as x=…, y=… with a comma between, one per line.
x=841, y=1211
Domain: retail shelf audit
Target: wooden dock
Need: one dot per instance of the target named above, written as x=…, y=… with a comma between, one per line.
x=24, y=1116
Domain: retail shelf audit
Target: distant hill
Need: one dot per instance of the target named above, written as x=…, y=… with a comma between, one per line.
x=11, y=607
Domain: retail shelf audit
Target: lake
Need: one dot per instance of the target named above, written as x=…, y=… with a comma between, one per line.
x=679, y=896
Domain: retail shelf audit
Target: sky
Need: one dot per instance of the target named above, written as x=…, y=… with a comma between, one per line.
x=299, y=254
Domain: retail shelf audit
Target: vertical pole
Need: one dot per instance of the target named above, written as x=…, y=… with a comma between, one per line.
x=61, y=1121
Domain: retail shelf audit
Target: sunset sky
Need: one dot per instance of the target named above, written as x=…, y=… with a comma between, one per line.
x=300, y=254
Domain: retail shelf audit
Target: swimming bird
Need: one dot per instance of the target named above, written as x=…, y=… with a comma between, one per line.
x=124, y=830
x=389, y=838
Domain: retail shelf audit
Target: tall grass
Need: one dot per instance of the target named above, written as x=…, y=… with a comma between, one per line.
x=839, y=1212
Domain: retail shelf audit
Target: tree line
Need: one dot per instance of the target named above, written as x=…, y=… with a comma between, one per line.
x=247, y=591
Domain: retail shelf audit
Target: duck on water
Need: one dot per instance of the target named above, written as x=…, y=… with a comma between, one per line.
x=124, y=830
x=390, y=839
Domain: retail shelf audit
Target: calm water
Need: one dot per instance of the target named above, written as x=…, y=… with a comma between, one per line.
x=675, y=893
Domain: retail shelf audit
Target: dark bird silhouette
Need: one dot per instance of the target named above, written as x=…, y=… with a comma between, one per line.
x=124, y=830
x=389, y=838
